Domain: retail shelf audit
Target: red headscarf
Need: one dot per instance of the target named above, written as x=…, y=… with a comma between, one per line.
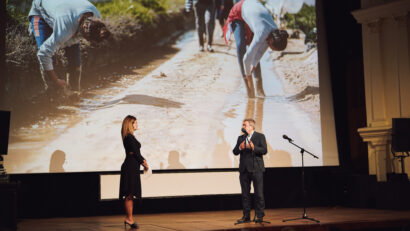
x=236, y=14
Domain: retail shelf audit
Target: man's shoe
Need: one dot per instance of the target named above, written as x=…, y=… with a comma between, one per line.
x=244, y=219
x=258, y=219
x=210, y=49
x=201, y=48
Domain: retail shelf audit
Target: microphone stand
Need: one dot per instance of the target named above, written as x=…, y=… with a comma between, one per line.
x=304, y=215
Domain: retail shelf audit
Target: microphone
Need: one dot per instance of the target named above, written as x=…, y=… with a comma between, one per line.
x=287, y=138
x=244, y=131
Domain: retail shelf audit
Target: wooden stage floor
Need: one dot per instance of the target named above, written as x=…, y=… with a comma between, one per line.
x=332, y=218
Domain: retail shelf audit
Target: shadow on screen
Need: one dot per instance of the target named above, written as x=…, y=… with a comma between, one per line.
x=57, y=161
x=173, y=161
x=144, y=100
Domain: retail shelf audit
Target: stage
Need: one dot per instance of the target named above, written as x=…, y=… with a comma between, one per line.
x=331, y=218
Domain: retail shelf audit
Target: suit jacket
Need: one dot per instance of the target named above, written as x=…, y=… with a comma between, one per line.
x=252, y=160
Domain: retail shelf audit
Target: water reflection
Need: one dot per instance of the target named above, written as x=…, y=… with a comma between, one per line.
x=255, y=110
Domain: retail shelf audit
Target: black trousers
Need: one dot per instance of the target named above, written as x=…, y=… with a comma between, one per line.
x=257, y=178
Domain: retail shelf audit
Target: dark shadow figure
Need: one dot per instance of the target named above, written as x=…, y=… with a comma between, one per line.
x=141, y=99
x=278, y=158
x=36, y=105
x=302, y=96
x=219, y=44
x=224, y=51
x=57, y=161
x=221, y=155
x=173, y=161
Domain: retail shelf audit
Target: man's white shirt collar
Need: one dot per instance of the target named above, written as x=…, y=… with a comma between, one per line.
x=250, y=136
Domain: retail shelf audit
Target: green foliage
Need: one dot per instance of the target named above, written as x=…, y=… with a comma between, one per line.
x=125, y=19
x=304, y=20
x=158, y=6
x=175, y=5
x=144, y=11
x=17, y=11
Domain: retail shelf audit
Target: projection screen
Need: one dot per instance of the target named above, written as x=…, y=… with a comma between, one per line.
x=189, y=104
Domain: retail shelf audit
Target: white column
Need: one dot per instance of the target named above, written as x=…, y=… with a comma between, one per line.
x=378, y=143
x=385, y=31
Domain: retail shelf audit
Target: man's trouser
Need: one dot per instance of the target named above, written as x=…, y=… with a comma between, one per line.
x=246, y=178
x=205, y=20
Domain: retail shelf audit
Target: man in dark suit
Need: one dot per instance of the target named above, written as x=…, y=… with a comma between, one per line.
x=251, y=146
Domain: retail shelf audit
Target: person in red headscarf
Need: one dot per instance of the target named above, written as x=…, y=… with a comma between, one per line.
x=252, y=24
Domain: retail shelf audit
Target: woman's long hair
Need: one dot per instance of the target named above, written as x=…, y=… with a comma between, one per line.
x=127, y=127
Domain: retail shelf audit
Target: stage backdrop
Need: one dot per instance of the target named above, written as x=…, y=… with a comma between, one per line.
x=189, y=104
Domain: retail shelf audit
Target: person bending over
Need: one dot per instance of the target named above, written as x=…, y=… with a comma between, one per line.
x=59, y=24
x=252, y=24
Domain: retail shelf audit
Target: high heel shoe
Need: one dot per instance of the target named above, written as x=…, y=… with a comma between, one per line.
x=133, y=226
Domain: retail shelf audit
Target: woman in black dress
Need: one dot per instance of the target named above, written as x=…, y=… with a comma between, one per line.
x=130, y=182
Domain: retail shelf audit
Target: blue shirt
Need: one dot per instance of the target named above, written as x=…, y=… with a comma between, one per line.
x=63, y=17
x=261, y=23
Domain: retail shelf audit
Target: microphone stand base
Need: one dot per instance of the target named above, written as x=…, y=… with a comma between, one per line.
x=304, y=216
x=242, y=222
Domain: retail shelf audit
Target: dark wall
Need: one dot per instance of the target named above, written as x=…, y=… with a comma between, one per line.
x=344, y=40
x=77, y=194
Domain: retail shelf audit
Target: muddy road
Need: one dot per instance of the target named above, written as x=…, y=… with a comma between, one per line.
x=189, y=107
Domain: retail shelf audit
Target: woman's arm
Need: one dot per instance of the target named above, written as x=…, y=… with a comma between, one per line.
x=137, y=152
x=132, y=147
x=135, y=147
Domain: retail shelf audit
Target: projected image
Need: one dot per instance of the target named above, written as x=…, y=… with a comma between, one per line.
x=183, y=82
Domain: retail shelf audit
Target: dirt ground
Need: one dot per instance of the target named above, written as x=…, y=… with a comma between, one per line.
x=297, y=70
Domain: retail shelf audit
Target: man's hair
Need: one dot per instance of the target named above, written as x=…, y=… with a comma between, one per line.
x=280, y=40
x=95, y=30
x=250, y=121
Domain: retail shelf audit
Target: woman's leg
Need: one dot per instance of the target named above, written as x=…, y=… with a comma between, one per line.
x=129, y=204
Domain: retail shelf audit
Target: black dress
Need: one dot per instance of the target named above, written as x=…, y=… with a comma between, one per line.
x=130, y=181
